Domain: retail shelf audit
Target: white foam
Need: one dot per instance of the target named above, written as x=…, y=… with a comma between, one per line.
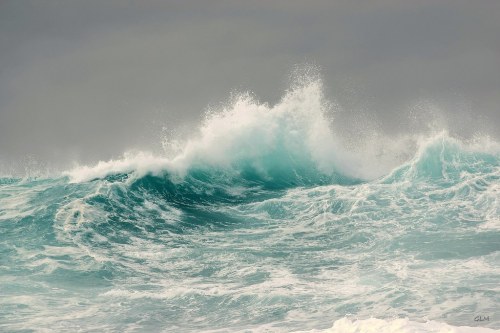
x=297, y=128
x=373, y=325
x=138, y=162
x=246, y=130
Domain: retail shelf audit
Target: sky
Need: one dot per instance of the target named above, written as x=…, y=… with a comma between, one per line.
x=87, y=80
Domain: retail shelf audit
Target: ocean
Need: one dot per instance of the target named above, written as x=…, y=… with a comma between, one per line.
x=261, y=221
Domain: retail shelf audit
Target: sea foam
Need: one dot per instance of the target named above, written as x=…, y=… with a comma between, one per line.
x=293, y=135
x=373, y=325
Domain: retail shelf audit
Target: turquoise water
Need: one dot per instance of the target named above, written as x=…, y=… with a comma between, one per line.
x=252, y=239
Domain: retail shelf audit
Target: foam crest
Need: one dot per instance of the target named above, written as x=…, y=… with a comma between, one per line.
x=441, y=157
x=291, y=139
x=139, y=163
x=294, y=134
x=248, y=130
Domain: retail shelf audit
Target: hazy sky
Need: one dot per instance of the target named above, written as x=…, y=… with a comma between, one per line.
x=88, y=79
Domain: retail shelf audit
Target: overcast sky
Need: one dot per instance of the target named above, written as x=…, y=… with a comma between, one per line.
x=88, y=79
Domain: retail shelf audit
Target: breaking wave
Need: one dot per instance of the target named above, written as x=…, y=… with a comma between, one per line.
x=264, y=219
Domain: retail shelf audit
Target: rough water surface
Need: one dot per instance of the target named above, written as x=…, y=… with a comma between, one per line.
x=260, y=222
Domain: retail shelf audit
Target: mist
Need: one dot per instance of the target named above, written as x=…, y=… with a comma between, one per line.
x=86, y=81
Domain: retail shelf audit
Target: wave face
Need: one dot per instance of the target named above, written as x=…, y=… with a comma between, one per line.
x=263, y=222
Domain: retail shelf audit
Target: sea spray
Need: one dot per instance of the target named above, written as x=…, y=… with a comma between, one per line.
x=263, y=220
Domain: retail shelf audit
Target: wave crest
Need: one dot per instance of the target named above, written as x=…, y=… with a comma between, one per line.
x=292, y=144
x=291, y=140
x=443, y=159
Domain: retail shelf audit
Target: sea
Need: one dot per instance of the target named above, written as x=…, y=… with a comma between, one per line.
x=261, y=220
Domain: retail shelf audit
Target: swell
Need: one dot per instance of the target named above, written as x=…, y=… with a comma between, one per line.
x=248, y=144
x=440, y=162
x=447, y=161
x=263, y=212
x=444, y=171
x=396, y=246
x=291, y=142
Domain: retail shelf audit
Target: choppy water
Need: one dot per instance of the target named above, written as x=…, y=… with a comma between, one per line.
x=262, y=223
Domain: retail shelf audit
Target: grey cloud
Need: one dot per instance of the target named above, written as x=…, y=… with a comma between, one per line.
x=88, y=79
